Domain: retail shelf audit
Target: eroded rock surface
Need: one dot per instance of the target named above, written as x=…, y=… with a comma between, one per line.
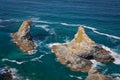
x=23, y=38
x=95, y=75
x=78, y=53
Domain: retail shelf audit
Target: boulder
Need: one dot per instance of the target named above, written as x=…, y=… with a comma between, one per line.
x=77, y=53
x=95, y=75
x=23, y=38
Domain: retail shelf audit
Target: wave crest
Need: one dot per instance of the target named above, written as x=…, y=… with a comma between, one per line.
x=93, y=29
x=14, y=61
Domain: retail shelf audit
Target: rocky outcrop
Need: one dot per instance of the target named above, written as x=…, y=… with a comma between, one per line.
x=6, y=74
x=95, y=75
x=78, y=53
x=23, y=38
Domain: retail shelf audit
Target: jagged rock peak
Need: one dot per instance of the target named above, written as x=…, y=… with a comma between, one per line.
x=23, y=38
x=77, y=53
x=82, y=36
x=25, y=24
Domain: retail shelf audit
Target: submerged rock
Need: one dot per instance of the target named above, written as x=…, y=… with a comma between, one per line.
x=95, y=75
x=23, y=38
x=77, y=53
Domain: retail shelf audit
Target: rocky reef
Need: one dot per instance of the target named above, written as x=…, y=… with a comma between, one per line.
x=6, y=74
x=77, y=53
x=95, y=75
x=23, y=38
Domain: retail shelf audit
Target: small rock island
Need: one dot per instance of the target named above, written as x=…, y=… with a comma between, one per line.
x=23, y=38
x=77, y=54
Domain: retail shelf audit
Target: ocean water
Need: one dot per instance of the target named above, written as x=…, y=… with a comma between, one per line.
x=56, y=21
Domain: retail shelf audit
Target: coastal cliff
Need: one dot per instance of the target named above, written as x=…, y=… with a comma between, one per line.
x=78, y=53
x=23, y=38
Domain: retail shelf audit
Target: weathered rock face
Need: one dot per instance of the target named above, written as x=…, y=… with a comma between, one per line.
x=23, y=38
x=77, y=53
x=95, y=75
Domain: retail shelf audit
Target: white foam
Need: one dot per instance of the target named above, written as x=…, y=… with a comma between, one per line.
x=12, y=70
x=114, y=54
x=51, y=44
x=88, y=27
x=37, y=58
x=104, y=34
x=45, y=27
x=78, y=77
x=93, y=29
x=108, y=35
x=95, y=63
x=37, y=20
x=116, y=74
x=66, y=24
x=44, y=52
x=14, y=61
x=117, y=78
x=31, y=52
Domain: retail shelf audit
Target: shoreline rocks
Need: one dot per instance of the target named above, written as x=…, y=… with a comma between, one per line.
x=95, y=75
x=6, y=74
x=23, y=38
x=77, y=54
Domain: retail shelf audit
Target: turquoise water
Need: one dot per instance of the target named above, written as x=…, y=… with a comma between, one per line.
x=57, y=21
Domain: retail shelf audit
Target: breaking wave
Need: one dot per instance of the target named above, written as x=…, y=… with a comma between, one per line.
x=37, y=20
x=114, y=54
x=45, y=27
x=51, y=44
x=37, y=58
x=93, y=29
x=117, y=75
x=77, y=77
x=14, y=61
x=32, y=52
x=96, y=64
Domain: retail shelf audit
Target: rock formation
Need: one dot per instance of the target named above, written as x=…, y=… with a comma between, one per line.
x=23, y=38
x=95, y=75
x=78, y=53
x=6, y=74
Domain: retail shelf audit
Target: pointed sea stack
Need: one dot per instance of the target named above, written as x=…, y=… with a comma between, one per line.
x=95, y=75
x=78, y=53
x=23, y=38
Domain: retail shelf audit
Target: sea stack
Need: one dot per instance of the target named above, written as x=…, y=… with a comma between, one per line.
x=23, y=38
x=95, y=75
x=78, y=53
